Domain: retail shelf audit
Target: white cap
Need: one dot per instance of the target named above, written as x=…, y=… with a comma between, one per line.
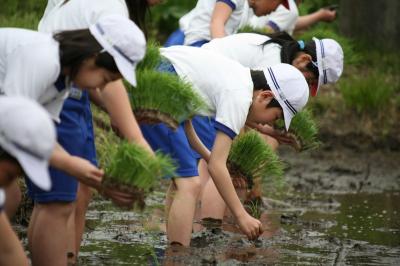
x=2, y=197
x=289, y=87
x=329, y=61
x=28, y=134
x=123, y=40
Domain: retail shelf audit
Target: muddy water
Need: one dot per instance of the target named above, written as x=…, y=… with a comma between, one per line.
x=343, y=209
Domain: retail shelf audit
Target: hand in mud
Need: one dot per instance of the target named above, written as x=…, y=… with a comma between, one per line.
x=119, y=198
x=86, y=172
x=250, y=226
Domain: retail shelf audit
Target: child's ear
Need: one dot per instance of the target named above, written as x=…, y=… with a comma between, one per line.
x=302, y=59
x=265, y=95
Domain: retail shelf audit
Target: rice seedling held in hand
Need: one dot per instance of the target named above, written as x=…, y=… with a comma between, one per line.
x=131, y=168
x=303, y=129
x=152, y=58
x=250, y=158
x=164, y=98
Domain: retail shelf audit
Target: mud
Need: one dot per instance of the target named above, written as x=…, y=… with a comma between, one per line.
x=342, y=210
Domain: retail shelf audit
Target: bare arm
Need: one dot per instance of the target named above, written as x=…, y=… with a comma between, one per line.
x=220, y=16
x=116, y=101
x=220, y=175
x=323, y=14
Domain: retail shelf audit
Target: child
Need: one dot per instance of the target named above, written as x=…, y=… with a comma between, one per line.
x=320, y=61
x=27, y=139
x=235, y=96
x=215, y=19
x=91, y=58
x=76, y=115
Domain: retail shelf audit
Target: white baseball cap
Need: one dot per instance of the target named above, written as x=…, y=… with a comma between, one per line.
x=329, y=61
x=28, y=134
x=289, y=87
x=123, y=40
x=2, y=198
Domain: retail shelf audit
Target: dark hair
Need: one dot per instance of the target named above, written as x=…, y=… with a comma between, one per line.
x=261, y=83
x=5, y=156
x=137, y=12
x=290, y=49
x=79, y=45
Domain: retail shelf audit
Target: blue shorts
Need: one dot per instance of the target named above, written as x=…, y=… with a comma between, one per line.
x=175, y=144
x=176, y=38
x=75, y=135
x=205, y=130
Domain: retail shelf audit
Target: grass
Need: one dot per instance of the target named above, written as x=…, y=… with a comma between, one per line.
x=152, y=58
x=304, y=128
x=164, y=97
x=250, y=29
x=367, y=93
x=131, y=165
x=20, y=20
x=252, y=158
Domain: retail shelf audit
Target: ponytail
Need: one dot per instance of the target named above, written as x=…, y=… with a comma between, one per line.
x=291, y=47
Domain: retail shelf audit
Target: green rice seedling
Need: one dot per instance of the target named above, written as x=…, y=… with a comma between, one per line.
x=152, y=58
x=250, y=158
x=164, y=98
x=254, y=209
x=303, y=129
x=131, y=168
x=367, y=94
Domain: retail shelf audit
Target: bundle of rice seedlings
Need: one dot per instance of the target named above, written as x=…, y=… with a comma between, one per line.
x=250, y=158
x=131, y=168
x=303, y=129
x=152, y=58
x=164, y=98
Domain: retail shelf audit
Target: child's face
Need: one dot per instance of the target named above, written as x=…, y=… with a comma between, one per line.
x=259, y=113
x=90, y=76
x=8, y=172
x=264, y=7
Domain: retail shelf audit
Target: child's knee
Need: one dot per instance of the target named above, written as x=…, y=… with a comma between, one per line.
x=191, y=186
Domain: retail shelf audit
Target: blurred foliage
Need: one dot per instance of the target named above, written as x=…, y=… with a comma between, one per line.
x=12, y=7
x=368, y=93
x=309, y=6
x=164, y=18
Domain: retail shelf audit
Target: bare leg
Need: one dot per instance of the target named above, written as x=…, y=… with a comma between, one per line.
x=168, y=200
x=13, y=199
x=49, y=237
x=181, y=213
x=11, y=251
x=213, y=206
x=82, y=202
x=204, y=177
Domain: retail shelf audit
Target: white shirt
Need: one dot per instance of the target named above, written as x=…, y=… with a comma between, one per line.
x=198, y=27
x=281, y=19
x=225, y=85
x=30, y=66
x=2, y=198
x=80, y=14
x=247, y=49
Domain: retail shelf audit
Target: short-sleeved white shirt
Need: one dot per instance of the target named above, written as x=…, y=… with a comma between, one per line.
x=247, y=49
x=80, y=14
x=2, y=198
x=198, y=27
x=225, y=85
x=30, y=67
x=281, y=19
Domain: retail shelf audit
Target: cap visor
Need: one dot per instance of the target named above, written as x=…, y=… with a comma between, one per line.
x=36, y=170
x=285, y=3
x=126, y=69
x=287, y=115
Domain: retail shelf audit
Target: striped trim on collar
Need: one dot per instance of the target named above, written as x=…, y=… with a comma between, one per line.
x=281, y=94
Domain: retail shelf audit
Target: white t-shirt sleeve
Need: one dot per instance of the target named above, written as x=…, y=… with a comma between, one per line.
x=231, y=3
x=231, y=112
x=101, y=8
x=283, y=19
x=31, y=72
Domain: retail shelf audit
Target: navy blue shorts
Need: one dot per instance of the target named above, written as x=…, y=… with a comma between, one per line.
x=175, y=144
x=205, y=130
x=75, y=135
x=176, y=38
